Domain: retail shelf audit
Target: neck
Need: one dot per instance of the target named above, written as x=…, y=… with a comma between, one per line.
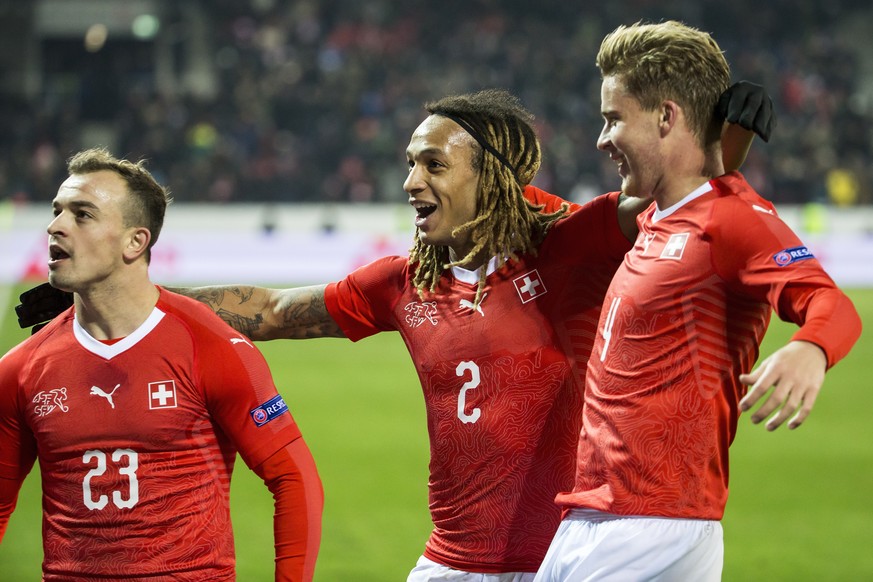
x=685, y=172
x=115, y=311
x=471, y=264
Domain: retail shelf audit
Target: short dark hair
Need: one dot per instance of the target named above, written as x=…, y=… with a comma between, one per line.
x=149, y=200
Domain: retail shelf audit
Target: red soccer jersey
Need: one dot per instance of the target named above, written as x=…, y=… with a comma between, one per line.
x=136, y=441
x=502, y=383
x=682, y=319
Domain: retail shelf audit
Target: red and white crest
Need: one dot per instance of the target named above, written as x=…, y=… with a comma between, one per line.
x=529, y=286
x=162, y=394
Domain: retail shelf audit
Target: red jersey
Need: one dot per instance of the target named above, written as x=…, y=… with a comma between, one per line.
x=683, y=318
x=136, y=441
x=502, y=382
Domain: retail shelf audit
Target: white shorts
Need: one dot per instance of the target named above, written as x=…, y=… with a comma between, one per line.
x=592, y=545
x=429, y=571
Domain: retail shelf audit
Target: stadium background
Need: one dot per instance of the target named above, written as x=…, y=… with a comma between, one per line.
x=280, y=118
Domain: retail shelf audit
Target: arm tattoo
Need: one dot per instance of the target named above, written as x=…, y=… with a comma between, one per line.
x=306, y=316
x=223, y=300
x=245, y=325
x=298, y=313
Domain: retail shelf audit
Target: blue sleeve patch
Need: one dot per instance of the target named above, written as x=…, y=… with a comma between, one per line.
x=269, y=410
x=788, y=256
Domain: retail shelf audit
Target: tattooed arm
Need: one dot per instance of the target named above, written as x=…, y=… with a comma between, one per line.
x=265, y=314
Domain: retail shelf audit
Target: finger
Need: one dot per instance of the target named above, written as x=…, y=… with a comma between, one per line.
x=40, y=290
x=768, y=379
x=721, y=108
x=758, y=387
x=805, y=409
x=26, y=318
x=749, y=111
x=768, y=405
x=791, y=403
x=763, y=124
x=750, y=378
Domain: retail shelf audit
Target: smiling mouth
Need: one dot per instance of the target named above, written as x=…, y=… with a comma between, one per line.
x=425, y=211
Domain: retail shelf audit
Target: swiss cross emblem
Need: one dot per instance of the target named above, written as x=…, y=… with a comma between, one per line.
x=162, y=394
x=675, y=246
x=529, y=286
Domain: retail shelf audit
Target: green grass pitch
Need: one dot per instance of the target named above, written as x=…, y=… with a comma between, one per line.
x=799, y=507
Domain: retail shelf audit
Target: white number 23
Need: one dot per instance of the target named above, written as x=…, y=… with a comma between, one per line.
x=128, y=470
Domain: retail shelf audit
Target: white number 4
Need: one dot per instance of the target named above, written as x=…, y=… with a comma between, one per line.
x=129, y=470
x=607, y=326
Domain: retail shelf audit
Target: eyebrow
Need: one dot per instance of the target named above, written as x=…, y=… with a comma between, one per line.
x=426, y=152
x=77, y=204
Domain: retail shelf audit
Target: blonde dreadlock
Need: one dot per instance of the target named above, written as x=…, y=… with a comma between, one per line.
x=507, y=157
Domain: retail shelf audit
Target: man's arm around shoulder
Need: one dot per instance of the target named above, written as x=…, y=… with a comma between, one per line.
x=265, y=314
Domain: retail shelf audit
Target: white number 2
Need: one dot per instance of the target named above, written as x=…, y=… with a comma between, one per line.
x=473, y=382
x=129, y=470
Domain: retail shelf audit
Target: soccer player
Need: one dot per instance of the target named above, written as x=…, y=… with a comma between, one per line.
x=136, y=400
x=497, y=304
x=681, y=325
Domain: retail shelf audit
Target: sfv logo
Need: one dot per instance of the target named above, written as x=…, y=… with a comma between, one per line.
x=47, y=400
x=420, y=312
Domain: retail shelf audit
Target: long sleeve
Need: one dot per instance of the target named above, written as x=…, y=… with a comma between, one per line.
x=831, y=320
x=9, y=489
x=292, y=478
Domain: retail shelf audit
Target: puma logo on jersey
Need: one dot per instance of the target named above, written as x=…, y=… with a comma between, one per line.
x=647, y=240
x=675, y=246
x=762, y=209
x=240, y=340
x=469, y=305
x=97, y=391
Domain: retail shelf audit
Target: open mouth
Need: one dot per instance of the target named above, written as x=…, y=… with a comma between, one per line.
x=422, y=211
x=425, y=211
x=57, y=254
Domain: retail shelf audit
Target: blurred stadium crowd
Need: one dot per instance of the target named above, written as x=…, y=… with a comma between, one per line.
x=314, y=100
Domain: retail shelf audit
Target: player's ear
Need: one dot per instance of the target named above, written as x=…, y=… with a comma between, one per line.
x=137, y=243
x=668, y=116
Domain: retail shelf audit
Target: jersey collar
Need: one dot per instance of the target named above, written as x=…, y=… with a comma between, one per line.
x=110, y=351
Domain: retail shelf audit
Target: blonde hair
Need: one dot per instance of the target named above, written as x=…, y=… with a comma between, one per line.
x=669, y=61
x=507, y=156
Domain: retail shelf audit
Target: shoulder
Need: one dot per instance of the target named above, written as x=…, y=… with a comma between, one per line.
x=52, y=342
x=392, y=269
x=199, y=321
x=51, y=334
x=592, y=231
x=739, y=210
x=549, y=202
